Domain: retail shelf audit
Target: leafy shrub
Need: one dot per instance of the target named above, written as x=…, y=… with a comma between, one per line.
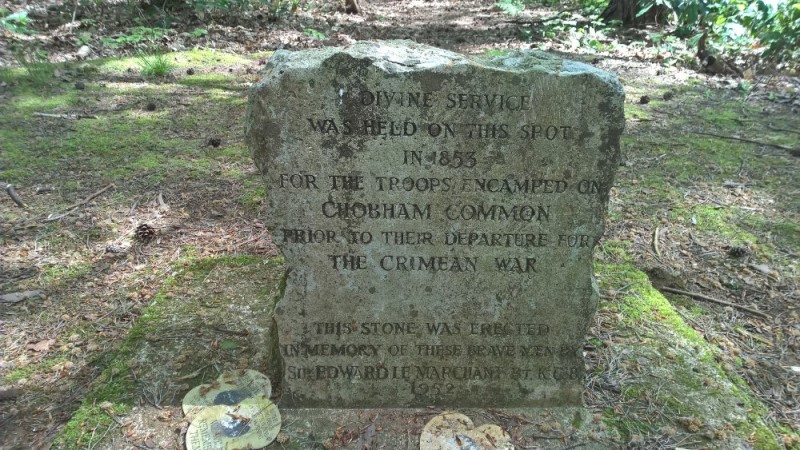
x=136, y=35
x=314, y=34
x=511, y=7
x=15, y=22
x=772, y=25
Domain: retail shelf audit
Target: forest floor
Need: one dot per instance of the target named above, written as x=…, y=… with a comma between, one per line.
x=706, y=202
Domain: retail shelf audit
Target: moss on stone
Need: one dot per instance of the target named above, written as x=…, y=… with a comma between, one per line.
x=671, y=368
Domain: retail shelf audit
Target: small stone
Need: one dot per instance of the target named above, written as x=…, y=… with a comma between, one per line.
x=84, y=52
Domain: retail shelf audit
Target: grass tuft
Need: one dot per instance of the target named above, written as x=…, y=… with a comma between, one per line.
x=155, y=65
x=37, y=67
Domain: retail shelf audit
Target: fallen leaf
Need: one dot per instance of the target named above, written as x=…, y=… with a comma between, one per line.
x=41, y=346
x=763, y=268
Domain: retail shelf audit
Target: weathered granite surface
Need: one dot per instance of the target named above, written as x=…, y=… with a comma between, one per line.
x=438, y=215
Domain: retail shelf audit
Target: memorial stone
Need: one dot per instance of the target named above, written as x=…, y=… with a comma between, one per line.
x=438, y=215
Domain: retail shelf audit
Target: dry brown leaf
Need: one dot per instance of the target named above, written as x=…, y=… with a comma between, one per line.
x=41, y=346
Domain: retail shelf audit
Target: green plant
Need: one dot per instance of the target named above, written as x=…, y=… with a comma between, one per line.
x=15, y=22
x=279, y=8
x=136, y=35
x=772, y=27
x=155, y=64
x=83, y=38
x=199, y=32
x=314, y=34
x=511, y=7
x=35, y=62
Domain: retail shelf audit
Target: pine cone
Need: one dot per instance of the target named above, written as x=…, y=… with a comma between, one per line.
x=737, y=252
x=145, y=232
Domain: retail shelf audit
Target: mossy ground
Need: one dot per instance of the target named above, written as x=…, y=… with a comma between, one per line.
x=211, y=314
x=127, y=318
x=172, y=150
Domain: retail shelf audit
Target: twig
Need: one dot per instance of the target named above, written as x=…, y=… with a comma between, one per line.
x=751, y=141
x=560, y=15
x=194, y=374
x=233, y=332
x=76, y=205
x=14, y=196
x=65, y=116
x=769, y=125
x=714, y=300
x=655, y=241
x=239, y=244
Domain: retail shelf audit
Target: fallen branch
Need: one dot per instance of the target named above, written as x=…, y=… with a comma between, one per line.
x=750, y=141
x=714, y=300
x=561, y=15
x=65, y=116
x=74, y=206
x=14, y=196
x=239, y=244
x=782, y=129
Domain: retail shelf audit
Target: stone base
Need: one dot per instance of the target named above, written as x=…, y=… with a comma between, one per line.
x=551, y=428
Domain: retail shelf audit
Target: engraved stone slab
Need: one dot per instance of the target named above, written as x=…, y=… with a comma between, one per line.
x=438, y=215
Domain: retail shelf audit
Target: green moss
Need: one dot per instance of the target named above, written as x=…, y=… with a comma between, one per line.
x=213, y=57
x=61, y=274
x=116, y=384
x=85, y=428
x=33, y=101
x=634, y=112
x=25, y=372
x=675, y=371
x=626, y=427
x=495, y=53
x=209, y=81
x=181, y=60
x=783, y=233
x=254, y=194
x=720, y=221
x=617, y=251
